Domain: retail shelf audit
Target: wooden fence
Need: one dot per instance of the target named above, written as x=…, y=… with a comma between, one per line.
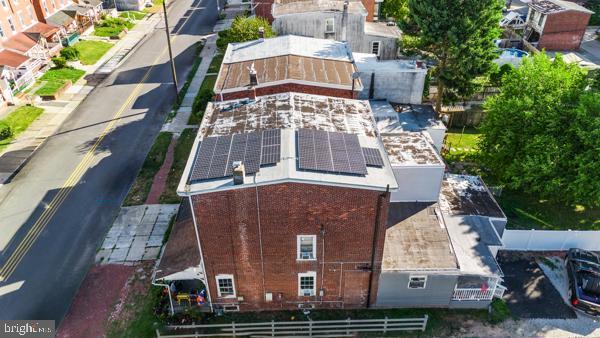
x=322, y=328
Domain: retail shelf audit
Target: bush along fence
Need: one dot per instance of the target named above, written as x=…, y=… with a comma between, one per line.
x=322, y=328
x=550, y=240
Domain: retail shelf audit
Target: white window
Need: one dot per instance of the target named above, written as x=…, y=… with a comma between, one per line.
x=307, y=282
x=375, y=47
x=30, y=13
x=330, y=25
x=225, y=286
x=11, y=24
x=22, y=19
x=45, y=7
x=307, y=247
x=4, y=3
x=1, y=32
x=417, y=282
x=53, y=4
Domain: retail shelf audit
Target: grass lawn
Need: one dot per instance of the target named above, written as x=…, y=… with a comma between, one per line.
x=133, y=15
x=215, y=64
x=156, y=7
x=55, y=78
x=91, y=51
x=143, y=182
x=466, y=140
x=18, y=121
x=182, y=151
x=528, y=212
x=112, y=27
x=199, y=106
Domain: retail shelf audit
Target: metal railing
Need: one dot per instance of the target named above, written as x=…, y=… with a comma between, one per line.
x=322, y=328
x=473, y=294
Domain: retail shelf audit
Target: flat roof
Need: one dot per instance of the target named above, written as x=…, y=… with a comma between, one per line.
x=471, y=237
x=555, y=6
x=287, y=59
x=290, y=112
x=468, y=195
x=367, y=62
x=382, y=29
x=416, y=239
x=410, y=149
x=308, y=6
x=392, y=118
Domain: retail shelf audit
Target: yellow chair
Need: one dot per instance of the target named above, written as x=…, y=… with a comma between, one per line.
x=185, y=297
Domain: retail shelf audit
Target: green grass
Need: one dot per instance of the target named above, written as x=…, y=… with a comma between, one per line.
x=500, y=312
x=91, y=51
x=112, y=27
x=144, y=321
x=56, y=78
x=529, y=212
x=200, y=104
x=18, y=121
x=467, y=140
x=143, y=182
x=156, y=7
x=133, y=15
x=189, y=77
x=215, y=64
x=180, y=156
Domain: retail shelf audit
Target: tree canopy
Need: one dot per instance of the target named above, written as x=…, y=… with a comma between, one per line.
x=397, y=9
x=459, y=37
x=244, y=29
x=541, y=134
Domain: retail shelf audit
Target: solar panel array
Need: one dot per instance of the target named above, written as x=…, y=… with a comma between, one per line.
x=330, y=152
x=372, y=157
x=215, y=155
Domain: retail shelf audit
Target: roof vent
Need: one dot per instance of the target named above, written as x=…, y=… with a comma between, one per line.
x=239, y=172
x=253, y=77
x=261, y=34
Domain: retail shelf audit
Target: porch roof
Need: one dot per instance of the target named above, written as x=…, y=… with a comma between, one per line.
x=12, y=59
x=20, y=42
x=60, y=19
x=43, y=29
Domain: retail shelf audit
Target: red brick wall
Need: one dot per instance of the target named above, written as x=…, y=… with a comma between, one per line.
x=290, y=87
x=370, y=6
x=263, y=9
x=564, y=31
x=229, y=235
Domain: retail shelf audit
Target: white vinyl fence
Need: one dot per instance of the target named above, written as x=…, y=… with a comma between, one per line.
x=320, y=328
x=550, y=240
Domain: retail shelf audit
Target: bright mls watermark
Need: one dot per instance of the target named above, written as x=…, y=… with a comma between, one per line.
x=26, y=328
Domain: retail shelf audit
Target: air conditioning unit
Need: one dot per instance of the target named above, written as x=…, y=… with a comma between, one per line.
x=231, y=308
x=307, y=292
x=306, y=255
x=306, y=306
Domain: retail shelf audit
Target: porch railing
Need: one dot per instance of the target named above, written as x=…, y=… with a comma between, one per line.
x=473, y=294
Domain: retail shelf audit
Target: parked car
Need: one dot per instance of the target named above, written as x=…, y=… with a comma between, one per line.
x=583, y=272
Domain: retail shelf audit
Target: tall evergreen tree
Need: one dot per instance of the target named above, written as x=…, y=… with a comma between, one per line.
x=459, y=36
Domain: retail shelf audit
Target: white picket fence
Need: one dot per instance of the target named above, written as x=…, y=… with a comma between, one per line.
x=550, y=240
x=320, y=328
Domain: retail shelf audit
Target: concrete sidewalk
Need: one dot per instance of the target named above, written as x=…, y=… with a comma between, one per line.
x=15, y=156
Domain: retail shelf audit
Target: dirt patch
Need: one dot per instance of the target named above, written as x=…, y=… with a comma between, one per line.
x=94, y=301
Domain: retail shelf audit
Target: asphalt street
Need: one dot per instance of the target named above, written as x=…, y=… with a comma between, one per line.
x=134, y=100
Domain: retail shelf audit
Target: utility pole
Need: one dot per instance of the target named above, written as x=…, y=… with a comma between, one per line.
x=170, y=50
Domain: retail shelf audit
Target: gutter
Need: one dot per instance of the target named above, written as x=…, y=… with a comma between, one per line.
x=374, y=242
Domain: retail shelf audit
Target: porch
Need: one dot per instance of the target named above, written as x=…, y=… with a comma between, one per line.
x=474, y=288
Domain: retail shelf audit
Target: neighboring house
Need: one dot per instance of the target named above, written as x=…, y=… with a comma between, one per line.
x=400, y=81
x=15, y=17
x=48, y=36
x=556, y=24
x=47, y=8
x=301, y=223
x=75, y=18
x=337, y=20
x=125, y=5
x=17, y=69
x=287, y=63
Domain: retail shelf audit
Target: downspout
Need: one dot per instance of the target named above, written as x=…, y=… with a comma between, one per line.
x=262, y=262
x=374, y=243
x=201, y=256
x=322, y=262
x=344, y=21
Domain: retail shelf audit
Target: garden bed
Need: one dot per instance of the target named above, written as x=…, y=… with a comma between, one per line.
x=56, y=80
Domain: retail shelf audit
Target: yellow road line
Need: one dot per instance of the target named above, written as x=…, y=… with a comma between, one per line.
x=37, y=228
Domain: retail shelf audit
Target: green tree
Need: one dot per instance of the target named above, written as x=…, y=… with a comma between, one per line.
x=397, y=9
x=541, y=134
x=244, y=29
x=459, y=36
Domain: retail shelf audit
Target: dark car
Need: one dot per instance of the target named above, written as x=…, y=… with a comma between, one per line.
x=583, y=271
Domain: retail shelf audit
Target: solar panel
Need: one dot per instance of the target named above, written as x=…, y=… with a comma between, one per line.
x=271, y=146
x=372, y=157
x=252, y=156
x=330, y=152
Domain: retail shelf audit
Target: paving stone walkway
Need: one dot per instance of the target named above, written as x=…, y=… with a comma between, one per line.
x=136, y=234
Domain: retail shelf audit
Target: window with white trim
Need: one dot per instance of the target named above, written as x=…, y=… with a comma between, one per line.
x=375, y=47
x=22, y=19
x=4, y=4
x=417, y=282
x=1, y=32
x=30, y=10
x=11, y=24
x=330, y=25
x=45, y=5
x=225, y=286
x=53, y=4
x=306, y=247
x=307, y=282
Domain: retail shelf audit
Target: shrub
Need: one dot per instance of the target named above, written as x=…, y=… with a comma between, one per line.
x=499, y=312
x=5, y=131
x=202, y=99
x=244, y=29
x=59, y=62
x=70, y=53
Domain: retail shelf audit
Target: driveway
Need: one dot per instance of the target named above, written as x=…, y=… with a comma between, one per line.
x=530, y=293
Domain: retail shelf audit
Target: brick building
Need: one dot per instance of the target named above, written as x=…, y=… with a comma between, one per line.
x=294, y=231
x=263, y=8
x=556, y=24
x=287, y=64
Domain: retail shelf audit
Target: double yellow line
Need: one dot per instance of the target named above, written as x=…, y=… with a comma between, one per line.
x=34, y=232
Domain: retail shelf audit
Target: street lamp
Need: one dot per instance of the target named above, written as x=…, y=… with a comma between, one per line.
x=173, y=72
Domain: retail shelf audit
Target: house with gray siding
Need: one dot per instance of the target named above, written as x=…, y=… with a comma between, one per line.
x=338, y=20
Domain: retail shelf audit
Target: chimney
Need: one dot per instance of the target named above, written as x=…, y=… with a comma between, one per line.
x=344, y=20
x=253, y=76
x=238, y=173
x=261, y=34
